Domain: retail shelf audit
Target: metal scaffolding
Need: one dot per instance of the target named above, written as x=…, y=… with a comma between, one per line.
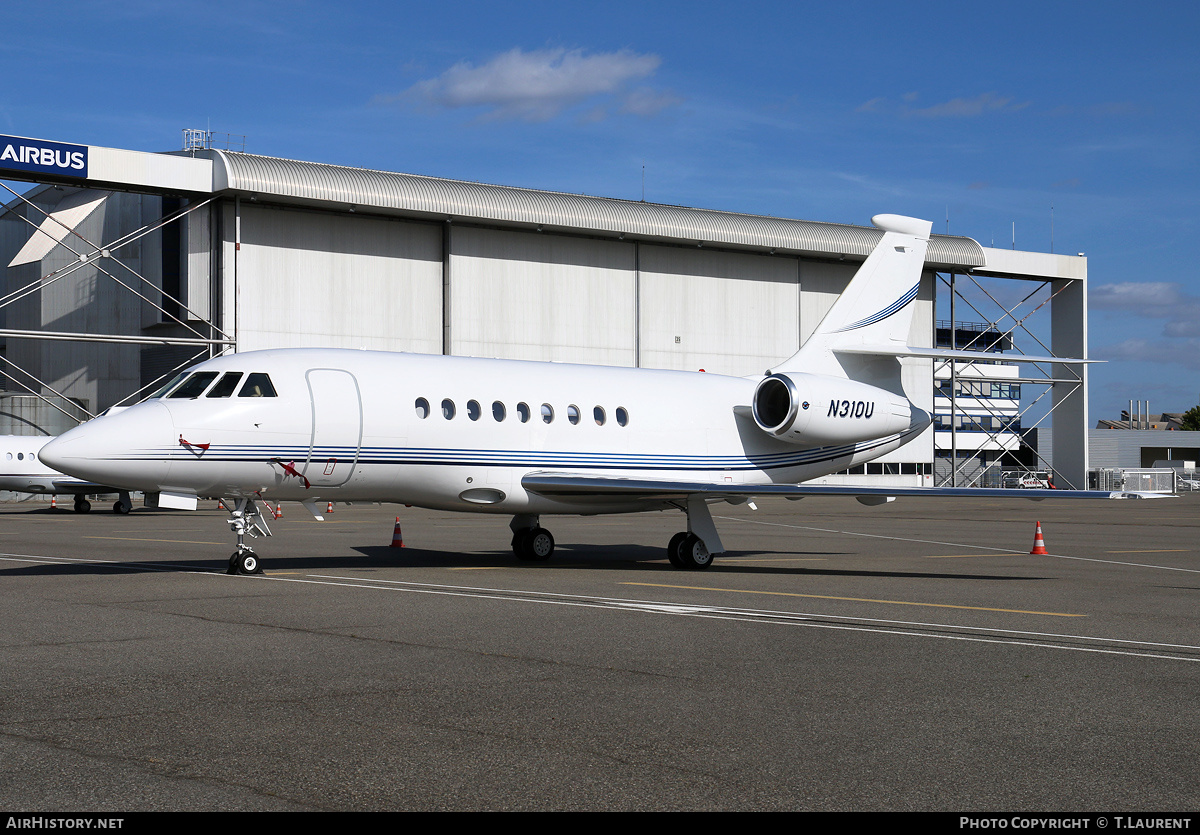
x=204, y=335
x=1004, y=323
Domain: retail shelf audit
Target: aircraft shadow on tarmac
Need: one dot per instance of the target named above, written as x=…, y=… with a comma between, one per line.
x=566, y=558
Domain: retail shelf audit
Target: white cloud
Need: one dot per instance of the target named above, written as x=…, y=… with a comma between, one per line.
x=1151, y=300
x=1164, y=300
x=539, y=85
x=957, y=107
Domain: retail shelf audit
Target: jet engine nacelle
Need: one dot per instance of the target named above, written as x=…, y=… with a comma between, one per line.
x=812, y=410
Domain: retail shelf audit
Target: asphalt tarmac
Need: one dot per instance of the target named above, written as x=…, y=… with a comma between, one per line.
x=838, y=657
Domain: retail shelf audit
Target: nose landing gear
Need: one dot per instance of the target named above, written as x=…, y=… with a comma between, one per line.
x=245, y=519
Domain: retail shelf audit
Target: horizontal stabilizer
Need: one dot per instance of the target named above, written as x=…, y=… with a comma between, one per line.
x=949, y=354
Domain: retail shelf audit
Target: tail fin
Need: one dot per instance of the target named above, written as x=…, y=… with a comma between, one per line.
x=874, y=311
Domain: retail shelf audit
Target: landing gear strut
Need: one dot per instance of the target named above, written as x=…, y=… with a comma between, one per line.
x=530, y=541
x=245, y=519
x=124, y=504
x=694, y=548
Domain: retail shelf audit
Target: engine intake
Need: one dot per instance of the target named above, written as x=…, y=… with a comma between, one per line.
x=812, y=410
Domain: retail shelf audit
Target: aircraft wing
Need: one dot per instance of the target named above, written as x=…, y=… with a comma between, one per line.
x=571, y=486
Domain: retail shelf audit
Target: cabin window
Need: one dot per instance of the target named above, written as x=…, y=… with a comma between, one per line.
x=498, y=411
x=20, y=456
x=448, y=410
x=195, y=385
x=573, y=414
x=547, y=413
x=258, y=385
x=622, y=416
x=598, y=414
x=422, y=407
x=523, y=412
x=473, y=410
x=226, y=385
x=10, y=456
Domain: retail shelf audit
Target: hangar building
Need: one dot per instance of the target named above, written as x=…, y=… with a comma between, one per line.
x=123, y=269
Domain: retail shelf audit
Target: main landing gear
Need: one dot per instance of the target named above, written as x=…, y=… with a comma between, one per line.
x=246, y=518
x=694, y=548
x=686, y=550
x=530, y=541
x=124, y=504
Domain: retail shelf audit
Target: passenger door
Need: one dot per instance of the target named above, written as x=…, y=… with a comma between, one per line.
x=336, y=426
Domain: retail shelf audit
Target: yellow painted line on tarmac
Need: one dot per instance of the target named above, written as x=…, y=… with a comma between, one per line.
x=178, y=541
x=860, y=600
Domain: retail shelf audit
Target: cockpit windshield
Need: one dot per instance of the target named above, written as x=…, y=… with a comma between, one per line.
x=194, y=386
x=227, y=385
x=176, y=380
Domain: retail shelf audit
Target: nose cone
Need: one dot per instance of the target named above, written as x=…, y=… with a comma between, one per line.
x=130, y=450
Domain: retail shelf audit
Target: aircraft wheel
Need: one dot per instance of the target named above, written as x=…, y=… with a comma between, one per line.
x=541, y=544
x=694, y=554
x=82, y=505
x=121, y=507
x=520, y=544
x=533, y=545
x=673, y=549
x=245, y=562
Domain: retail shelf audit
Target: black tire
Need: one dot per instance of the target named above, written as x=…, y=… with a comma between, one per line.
x=82, y=505
x=673, y=549
x=520, y=544
x=693, y=553
x=247, y=562
x=121, y=507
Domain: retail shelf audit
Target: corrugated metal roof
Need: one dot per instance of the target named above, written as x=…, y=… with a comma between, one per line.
x=466, y=201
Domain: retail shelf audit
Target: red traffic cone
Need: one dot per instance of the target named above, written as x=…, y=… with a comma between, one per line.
x=53, y=502
x=1039, y=544
x=330, y=508
x=397, y=537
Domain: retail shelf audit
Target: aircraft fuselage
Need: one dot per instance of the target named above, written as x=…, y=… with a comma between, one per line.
x=454, y=433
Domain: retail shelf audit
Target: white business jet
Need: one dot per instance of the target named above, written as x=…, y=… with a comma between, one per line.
x=22, y=472
x=528, y=439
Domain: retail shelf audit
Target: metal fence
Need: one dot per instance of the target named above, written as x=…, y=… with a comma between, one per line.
x=1161, y=480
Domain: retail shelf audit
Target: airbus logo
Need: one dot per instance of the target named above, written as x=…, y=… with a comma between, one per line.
x=44, y=157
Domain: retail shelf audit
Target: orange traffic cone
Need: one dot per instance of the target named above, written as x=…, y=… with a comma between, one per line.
x=53, y=502
x=279, y=510
x=397, y=537
x=220, y=504
x=1039, y=544
x=330, y=508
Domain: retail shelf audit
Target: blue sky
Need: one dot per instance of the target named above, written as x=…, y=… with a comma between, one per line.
x=1084, y=113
